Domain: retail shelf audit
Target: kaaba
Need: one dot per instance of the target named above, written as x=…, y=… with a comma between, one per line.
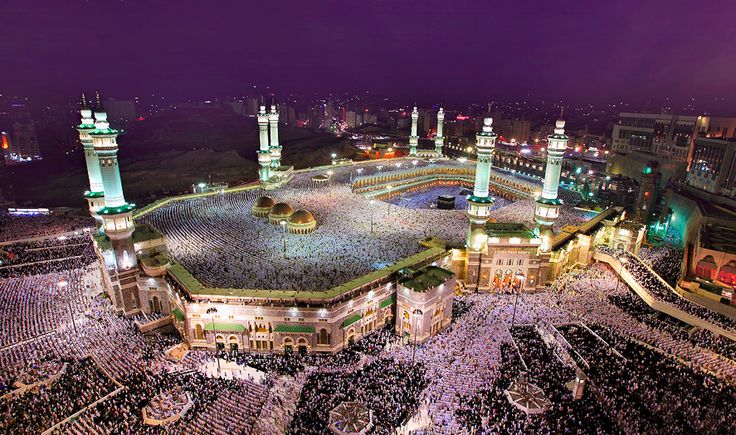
x=446, y=202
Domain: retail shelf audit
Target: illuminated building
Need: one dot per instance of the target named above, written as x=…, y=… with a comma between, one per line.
x=413, y=138
x=480, y=203
x=274, y=147
x=116, y=215
x=659, y=134
x=548, y=205
x=264, y=152
x=713, y=166
x=95, y=195
x=439, y=140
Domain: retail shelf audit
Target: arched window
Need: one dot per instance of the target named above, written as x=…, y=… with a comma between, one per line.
x=198, y=332
x=323, y=338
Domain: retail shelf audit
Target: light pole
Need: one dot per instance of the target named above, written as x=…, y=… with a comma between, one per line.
x=62, y=285
x=63, y=243
x=388, y=211
x=212, y=311
x=417, y=312
x=622, y=260
x=371, y=202
x=283, y=225
x=516, y=300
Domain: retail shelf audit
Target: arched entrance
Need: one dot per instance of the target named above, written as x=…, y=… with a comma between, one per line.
x=199, y=332
x=288, y=345
x=303, y=346
x=220, y=342
x=233, y=341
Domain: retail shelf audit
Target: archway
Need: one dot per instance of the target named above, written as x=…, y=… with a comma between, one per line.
x=233, y=341
x=199, y=332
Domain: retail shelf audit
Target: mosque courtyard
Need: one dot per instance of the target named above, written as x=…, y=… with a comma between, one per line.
x=218, y=240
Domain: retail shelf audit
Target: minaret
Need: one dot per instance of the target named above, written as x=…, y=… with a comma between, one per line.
x=117, y=214
x=548, y=205
x=480, y=202
x=414, y=138
x=264, y=154
x=439, y=139
x=95, y=195
x=275, y=148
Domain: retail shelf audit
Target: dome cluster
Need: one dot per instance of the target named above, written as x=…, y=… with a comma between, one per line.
x=297, y=222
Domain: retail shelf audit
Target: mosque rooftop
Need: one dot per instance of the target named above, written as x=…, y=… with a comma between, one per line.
x=425, y=279
x=509, y=229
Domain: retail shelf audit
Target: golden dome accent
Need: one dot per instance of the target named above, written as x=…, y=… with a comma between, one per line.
x=281, y=209
x=264, y=201
x=301, y=217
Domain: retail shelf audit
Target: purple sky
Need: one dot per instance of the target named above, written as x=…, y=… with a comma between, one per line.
x=577, y=51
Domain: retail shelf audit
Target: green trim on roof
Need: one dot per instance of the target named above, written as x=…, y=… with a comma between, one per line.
x=480, y=200
x=388, y=301
x=557, y=136
x=352, y=319
x=547, y=201
x=86, y=127
x=424, y=279
x=178, y=314
x=104, y=132
x=304, y=329
x=194, y=287
x=223, y=326
x=125, y=208
x=90, y=194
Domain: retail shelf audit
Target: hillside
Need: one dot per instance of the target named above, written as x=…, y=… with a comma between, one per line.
x=169, y=152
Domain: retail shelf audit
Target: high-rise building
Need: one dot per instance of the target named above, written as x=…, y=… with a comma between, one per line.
x=713, y=166
x=25, y=141
x=514, y=130
x=660, y=134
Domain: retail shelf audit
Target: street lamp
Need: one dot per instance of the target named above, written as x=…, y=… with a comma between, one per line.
x=63, y=243
x=520, y=277
x=371, y=202
x=62, y=285
x=417, y=313
x=283, y=225
x=622, y=260
x=389, y=187
x=212, y=311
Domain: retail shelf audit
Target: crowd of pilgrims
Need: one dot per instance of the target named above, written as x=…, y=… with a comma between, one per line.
x=664, y=292
x=453, y=383
x=106, y=357
x=221, y=244
x=13, y=227
x=665, y=260
x=46, y=256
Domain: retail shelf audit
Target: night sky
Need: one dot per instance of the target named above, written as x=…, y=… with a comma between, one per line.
x=576, y=51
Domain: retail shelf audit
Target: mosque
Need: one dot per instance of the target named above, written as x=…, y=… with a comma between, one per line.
x=414, y=295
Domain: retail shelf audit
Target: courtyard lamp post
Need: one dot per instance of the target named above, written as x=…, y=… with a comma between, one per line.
x=62, y=239
x=283, y=225
x=622, y=260
x=520, y=277
x=62, y=285
x=212, y=311
x=388, y=188
x=371, y=202
x=417, y=313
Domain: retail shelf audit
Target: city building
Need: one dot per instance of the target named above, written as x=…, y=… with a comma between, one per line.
x=661, y=134
x=713, y=165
